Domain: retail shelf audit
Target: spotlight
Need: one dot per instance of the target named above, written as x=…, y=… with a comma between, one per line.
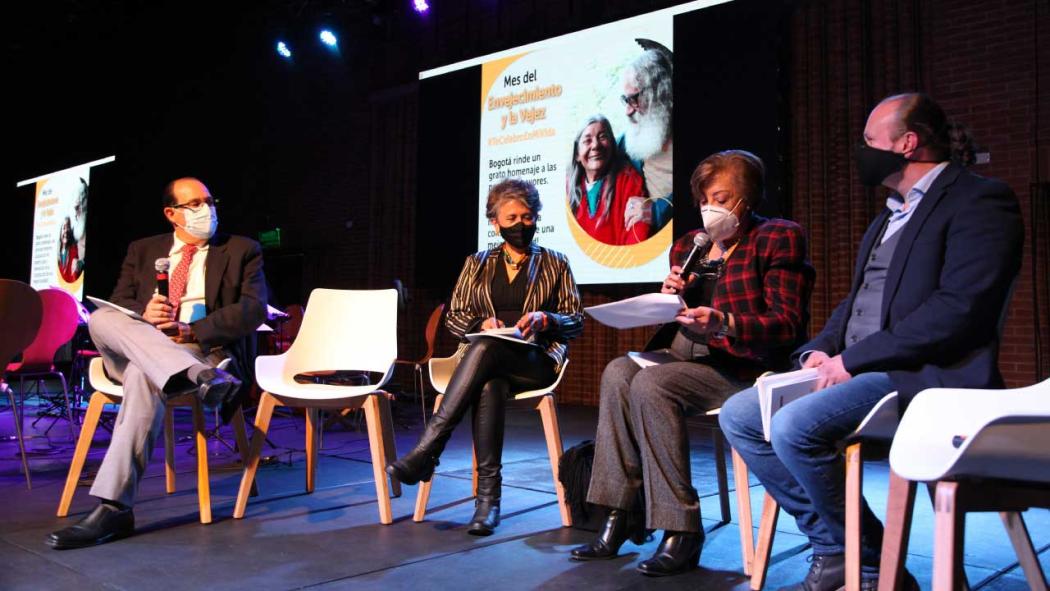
x=420, y=6
x=328, y=38
x=283, y=50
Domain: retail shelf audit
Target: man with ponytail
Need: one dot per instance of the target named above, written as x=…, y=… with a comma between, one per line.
x=932, y=277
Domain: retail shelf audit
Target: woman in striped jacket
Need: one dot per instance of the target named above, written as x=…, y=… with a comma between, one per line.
x=516, y=284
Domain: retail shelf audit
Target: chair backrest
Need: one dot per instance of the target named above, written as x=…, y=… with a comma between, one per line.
x=59, y=323
x=432, y=329
x=346, y=330
x=20, y=314
x=980, y=433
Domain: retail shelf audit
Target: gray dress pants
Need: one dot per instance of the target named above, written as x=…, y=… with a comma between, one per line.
x=643, y=441
x=143, y=359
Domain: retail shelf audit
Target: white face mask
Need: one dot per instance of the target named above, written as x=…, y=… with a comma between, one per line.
x=202, y=223
x=720, y=223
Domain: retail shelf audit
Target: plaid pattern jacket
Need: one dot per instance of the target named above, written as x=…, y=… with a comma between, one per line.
x=551, y=289
x=766, y=287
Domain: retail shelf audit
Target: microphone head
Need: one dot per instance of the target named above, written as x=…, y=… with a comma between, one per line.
x=701, y=239
x=161, y=265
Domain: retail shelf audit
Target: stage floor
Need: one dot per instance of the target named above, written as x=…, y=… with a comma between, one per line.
x=331, y=539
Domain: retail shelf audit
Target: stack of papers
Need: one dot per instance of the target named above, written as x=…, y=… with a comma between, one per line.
x=510, y=333
x=776, y=390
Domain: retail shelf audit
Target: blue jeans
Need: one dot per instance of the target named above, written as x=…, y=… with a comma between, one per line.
x=803, y=466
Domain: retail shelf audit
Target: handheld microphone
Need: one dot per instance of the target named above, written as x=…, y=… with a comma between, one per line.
x=702, y=244
x=161, y=266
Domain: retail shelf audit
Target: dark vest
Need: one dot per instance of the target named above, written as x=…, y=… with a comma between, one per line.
x=866, y=316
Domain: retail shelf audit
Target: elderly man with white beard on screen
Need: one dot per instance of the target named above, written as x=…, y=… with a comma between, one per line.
x=647, y=94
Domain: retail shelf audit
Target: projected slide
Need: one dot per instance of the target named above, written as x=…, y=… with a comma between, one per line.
x=588, y=120
x=59, y=224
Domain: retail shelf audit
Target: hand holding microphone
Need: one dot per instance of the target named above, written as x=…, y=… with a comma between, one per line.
x=158, y=310
x=680, y=276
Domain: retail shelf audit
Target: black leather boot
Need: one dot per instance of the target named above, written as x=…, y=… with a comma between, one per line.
x=489, y=415
x=618, y=528
x=419, y=463
x=827, y=572
x=486, y=517
x=678, y=552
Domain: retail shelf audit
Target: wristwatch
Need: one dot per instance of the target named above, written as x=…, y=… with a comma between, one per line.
x=724, y=329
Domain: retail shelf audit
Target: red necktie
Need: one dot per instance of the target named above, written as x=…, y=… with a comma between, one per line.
x=177, y=288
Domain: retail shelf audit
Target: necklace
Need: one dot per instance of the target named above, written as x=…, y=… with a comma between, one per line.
x=511, y=262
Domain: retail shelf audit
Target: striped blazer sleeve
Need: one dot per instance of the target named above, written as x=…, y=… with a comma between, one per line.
x=464, y=314
x=567, y=316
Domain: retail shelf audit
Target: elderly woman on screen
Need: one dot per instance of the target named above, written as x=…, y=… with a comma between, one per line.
x=600, y=182
x=516, y=284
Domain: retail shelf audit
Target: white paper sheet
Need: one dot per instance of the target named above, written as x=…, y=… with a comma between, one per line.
x=776, y=390
x=101, y=303
x=644, y=310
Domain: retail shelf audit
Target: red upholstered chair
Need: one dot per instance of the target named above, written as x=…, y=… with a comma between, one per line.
x=20, y=314
x=61, y=315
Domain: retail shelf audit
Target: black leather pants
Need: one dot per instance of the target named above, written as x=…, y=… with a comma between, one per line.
x=489, y=372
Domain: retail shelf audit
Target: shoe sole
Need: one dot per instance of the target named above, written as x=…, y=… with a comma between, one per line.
x=591, y=558
x=54, y=545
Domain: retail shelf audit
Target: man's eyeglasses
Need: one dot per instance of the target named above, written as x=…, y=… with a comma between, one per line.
x=196, y=204
x=631, y=100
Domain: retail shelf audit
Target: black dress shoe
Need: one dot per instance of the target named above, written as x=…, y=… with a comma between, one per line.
x=216, y=386
x=486, y=517
x=827, y=572
x=413, y=467
x=102, y=525
x=619, y=526
x=678, y=552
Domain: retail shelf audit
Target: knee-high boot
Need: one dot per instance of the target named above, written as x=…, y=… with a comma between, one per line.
x=489, y=420
x=471, y=374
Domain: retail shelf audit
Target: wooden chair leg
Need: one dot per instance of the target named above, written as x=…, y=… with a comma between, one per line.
x=169, y=449
x=423, y=494
x=389, y=444
x=200, y=433
x=313, y=425
x=549, y=415
x=743, y=509
x=854, y=502
x=767, y=526
x=473, y=471
x=949, y=526
x=1022, y=543
x=899, y=506
x=87, y=432
x=374, y=422
x=721, y=474
x=263, y=414
x=241, y=437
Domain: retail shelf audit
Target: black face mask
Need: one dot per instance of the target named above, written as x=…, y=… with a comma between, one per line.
x=519, y=235
x=874, y=165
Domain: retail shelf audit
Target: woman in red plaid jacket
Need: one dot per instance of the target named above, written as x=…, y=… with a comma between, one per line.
x=757, y=315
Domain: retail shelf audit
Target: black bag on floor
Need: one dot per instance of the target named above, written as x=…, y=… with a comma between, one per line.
x=574, y=472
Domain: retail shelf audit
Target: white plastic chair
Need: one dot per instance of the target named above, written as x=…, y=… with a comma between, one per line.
x=982, y=450
x=441, y=369
x=878, y=425
x=341, y=330
x=109, y=392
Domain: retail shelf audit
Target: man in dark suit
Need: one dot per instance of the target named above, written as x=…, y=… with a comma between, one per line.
x=216, y=300
x=933, y=275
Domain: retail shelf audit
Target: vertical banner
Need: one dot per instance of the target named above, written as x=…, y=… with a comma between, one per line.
x=59, y=228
